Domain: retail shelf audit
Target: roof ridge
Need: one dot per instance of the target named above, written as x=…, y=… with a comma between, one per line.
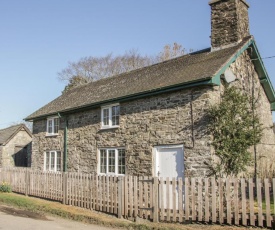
x=21, y=124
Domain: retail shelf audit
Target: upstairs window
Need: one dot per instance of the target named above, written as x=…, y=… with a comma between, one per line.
x=110, y=116
x=52, y=126
x=52, y=161
x=112, y=161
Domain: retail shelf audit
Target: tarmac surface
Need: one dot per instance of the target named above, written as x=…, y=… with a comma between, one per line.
x=14, y=219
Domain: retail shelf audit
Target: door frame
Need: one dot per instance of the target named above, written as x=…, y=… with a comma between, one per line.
x=155, y=155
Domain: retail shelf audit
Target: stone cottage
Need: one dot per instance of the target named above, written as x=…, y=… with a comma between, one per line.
x=151, y=121
x=15, y=146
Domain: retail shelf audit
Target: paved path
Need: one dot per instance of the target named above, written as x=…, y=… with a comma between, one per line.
x=15, y=222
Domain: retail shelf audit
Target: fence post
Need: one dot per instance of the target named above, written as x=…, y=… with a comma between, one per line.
x=27, y=182
x=119, y=187
x=155, y=199
x=65, y=187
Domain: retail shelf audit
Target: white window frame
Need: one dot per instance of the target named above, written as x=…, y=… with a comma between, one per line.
x=47, y=167
x=107, y=162
x=109, y=108
x=52, y=119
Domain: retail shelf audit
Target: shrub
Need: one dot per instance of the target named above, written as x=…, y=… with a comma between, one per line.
x=5, y=187
x=235, y=127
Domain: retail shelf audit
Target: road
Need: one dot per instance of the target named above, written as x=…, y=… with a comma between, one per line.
x=14, y=220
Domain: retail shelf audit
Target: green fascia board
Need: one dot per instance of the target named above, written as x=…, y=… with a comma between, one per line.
x=263, y=75
x=202, y=82
x=216, y=80
x=272, y=106
x=207, y=81
x=259, y=66
x=233, y=59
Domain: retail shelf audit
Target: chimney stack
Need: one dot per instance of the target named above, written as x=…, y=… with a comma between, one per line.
x=229, y=22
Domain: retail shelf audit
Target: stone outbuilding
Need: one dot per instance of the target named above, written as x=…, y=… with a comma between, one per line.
x=151, y=121
x=15, y=146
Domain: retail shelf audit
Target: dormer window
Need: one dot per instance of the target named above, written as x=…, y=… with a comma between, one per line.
x=110, y=116
x=52, y=126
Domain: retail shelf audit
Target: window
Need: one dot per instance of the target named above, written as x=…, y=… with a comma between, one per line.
x=110, y=116
x=52, y=161
x=112, y=161
x=52, y=126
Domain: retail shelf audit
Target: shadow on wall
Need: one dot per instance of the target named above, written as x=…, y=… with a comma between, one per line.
x=22, y=156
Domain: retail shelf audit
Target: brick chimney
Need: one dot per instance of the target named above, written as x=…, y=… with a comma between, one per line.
x=229, y=22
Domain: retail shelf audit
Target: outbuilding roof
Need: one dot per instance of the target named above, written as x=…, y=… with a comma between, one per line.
x=8, y=133
x=201, y=66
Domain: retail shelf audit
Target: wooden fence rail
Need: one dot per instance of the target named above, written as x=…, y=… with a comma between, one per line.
x=225, y=201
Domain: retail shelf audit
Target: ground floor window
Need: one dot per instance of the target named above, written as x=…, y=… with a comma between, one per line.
x=52, y=161
x=112, y=161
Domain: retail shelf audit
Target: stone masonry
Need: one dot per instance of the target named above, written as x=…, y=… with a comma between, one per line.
x=248, y=81
x=159, y=120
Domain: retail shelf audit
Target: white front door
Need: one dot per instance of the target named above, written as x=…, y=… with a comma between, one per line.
x=169, y=161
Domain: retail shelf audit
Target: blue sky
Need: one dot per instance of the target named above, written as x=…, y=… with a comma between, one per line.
x=39, y=38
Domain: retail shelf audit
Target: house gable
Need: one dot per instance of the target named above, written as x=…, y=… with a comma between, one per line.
x=259, y=66
x=15, y=146
x=7, y=134
x=263, y=75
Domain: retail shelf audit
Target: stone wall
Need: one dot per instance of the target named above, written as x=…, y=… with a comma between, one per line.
x=1, y=149
x=21, y=139
x=43, y=143
x=229, y=22
x=171, y=118
x=248, y=81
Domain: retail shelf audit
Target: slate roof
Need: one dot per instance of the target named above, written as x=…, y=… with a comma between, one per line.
x=7, y=133
x=194, y=67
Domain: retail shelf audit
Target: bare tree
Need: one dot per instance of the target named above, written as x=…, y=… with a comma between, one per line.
x=74, y=82
x=95, y=68
x=169, y=52
x=89, y=69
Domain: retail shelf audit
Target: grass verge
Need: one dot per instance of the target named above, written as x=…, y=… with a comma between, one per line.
x=93, y=217
x=73, y=213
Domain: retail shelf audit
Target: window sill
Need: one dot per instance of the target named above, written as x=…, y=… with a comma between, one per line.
x=52, y=171
x=52, y=135
x=109, y=127
x=110, y=174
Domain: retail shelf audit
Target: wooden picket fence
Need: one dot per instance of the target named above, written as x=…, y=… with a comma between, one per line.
x=222, y=201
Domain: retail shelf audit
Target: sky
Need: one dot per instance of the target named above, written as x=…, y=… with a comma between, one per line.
x=39, y=38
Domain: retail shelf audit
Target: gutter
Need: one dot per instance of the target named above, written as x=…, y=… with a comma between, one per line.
x=202, y=82
x=263, y=76
x=65, y=145
x=65, y=155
